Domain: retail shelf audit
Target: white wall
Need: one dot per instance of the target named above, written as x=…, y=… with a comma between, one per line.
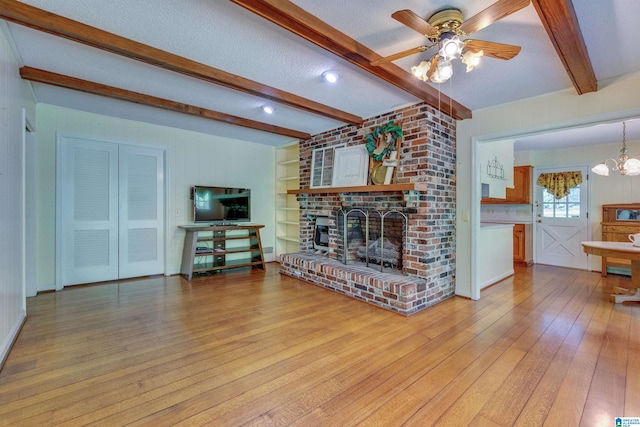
x=192, y=159
x=496, y=257
x=501, y=151
x=14, y=97
x=614, y=99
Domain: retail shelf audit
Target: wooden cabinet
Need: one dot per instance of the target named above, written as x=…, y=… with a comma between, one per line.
x=214, y=248
x=618, y=221
x=520, y=194
x=523, y=244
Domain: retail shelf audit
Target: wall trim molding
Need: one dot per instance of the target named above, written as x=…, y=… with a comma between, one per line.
x=11, y=338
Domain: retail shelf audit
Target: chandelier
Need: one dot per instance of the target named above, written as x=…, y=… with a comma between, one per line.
x=625, y=165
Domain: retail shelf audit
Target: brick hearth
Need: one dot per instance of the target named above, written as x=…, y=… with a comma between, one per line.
x=402, y=294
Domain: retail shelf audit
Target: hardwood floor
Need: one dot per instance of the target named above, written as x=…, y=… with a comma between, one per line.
x=545, y=347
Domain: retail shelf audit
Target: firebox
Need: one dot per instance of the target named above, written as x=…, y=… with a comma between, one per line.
x=375, y=239
x=321, y=234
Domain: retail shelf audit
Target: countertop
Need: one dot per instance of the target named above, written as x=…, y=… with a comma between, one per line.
x=485, y=225
x=504, y=222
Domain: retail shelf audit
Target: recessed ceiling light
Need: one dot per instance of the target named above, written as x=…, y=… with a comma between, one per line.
x=268, y=109
x=330, y=76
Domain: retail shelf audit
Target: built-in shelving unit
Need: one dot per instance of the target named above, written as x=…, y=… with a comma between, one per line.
x=287, y=206
x=216, y=248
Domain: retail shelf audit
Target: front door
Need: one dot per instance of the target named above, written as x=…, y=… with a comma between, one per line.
x=562, y=224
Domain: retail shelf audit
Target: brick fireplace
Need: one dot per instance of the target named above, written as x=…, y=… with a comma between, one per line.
x=426, y=159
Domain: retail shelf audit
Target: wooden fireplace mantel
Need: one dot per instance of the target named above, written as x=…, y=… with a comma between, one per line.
x=411, y=186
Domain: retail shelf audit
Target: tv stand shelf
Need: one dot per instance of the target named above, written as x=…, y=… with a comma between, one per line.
x=220, y=247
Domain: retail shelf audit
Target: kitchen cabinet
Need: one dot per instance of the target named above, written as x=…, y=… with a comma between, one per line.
x=520, y=194
x=523, y=244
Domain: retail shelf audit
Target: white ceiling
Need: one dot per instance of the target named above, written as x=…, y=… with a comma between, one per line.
x=226, y=36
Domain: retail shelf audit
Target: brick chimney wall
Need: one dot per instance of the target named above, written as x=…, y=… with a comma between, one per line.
x=427, y=155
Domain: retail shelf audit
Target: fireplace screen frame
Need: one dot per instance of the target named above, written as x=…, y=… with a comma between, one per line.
x=367, y=213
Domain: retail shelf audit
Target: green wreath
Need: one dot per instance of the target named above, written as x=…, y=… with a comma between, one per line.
x=382, y=141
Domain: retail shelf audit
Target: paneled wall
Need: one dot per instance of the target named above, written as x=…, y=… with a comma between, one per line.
x=14, y=97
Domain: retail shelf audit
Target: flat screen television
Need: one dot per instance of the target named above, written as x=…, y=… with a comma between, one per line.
x=218, y=205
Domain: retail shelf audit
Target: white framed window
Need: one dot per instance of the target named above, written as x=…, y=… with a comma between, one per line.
x=567, y=207
x=322, y=164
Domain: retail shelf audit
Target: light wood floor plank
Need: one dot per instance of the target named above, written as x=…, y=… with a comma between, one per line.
x=465, y=365
x=260, y=349
x=509, y=333
x=393, y=404
x=541, y=341
x=537, y=407
x=632, y=395
x=606, y=397
x=462, y=399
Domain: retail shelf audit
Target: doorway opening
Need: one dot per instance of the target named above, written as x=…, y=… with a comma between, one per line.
x=562, y=221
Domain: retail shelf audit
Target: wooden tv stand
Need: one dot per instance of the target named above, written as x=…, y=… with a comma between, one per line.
x=220, y=247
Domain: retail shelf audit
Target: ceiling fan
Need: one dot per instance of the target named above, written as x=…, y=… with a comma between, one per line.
x=447, y=29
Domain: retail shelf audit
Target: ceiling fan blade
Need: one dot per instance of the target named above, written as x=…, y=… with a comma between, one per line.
x=495, y=12
x=493, y=49
x=399, y=55
x=413, y=21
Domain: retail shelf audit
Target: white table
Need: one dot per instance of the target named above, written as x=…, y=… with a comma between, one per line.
x=624, y=250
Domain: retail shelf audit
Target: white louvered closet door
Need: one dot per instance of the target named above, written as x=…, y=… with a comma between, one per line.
x=88, y=195
x=111, y=211
x=141, y=211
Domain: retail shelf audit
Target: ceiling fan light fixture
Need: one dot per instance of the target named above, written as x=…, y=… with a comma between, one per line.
x=421, y=70
x=443, y=72
x=450, y=46
x=472, y=59
x=448, y=30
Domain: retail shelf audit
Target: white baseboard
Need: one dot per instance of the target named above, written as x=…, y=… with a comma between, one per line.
x=11, y=338
x=497, y=278
x=463, y=294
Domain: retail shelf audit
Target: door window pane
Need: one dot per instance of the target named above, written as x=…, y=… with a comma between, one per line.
x=567, y=207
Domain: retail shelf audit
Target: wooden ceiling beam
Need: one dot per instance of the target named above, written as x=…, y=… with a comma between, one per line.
x=559, y=19
x=48, y=22
x=295, y=19
x=60, y=80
